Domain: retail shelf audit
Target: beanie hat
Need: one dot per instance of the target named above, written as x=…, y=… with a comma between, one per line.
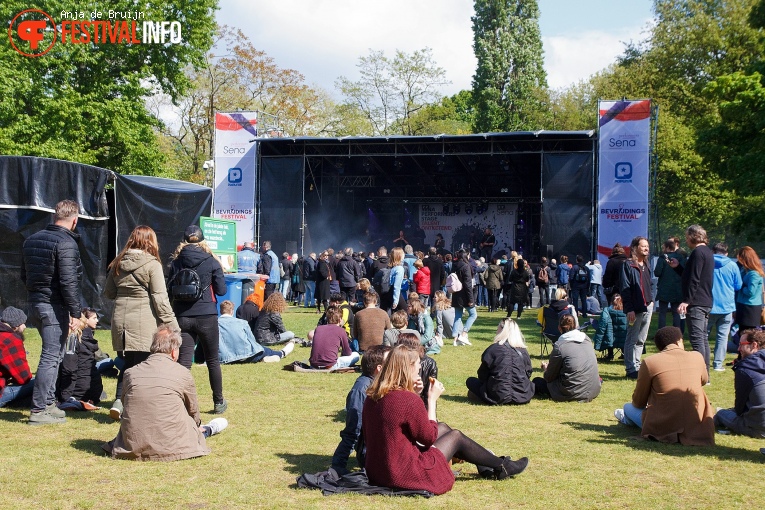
x=13, y=317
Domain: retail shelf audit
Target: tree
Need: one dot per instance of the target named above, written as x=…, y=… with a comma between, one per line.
x=85, y=102
x=391, y=91
x=452, y=116
x=510, y=82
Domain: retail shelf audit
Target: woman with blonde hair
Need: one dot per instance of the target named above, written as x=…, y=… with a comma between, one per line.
x=421, y=321
x=443, y=315
x=749, y=298
x=407, y=448
x=269, y=327
x=504, y=376
x=198, y=314
x=394, y=299
x=136, y=283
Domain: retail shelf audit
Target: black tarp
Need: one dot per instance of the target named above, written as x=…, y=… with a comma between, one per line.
x=567, y=182
x=165, y=205
x=30, y=187
x=281, y=203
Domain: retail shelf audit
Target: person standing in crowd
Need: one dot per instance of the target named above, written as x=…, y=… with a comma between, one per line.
x=16, y=381
x=247, y=259
x=440, y=244
x=749, y=298
x=463, y=299
x=637, y=297
x=297, y=286
x=564, y=275
x=161, y=419
x=542, y=278
x=394, y=299
x=136, y=284
x=579, y=281
x=494, y=279
x=613, y=271
x=198, y=317
x=727, y=280
x=52, y=272
x=269, y=265
x=323, y=277
x=669, y=291
x=669, y=403
x=747, y=417
x=437, y=274
x=309, y=279
x=505, y=371
x=349, y=274
x=517, y=284
x=285, y=272
x=409, y=259
x=552, y=280
x=697, y=280
x=596, y=282
x=487, y=244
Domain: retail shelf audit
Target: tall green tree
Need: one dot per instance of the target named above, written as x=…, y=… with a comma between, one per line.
x=510, y=81
x=86, y=102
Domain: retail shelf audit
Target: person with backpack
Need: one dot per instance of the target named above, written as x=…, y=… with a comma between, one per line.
x=136, y=284
x=579, y=280
x=563, y=274
x=462, y=297
x=198, y=314
x=543, y=277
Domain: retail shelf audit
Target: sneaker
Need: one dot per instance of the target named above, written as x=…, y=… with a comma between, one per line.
x=45, y=418
x=464, y=338
x=116, y=411
x=619, y=415
x=288, y=349
x=631, y=375
x=217, y=425
x=510, y=467
x=439, y=340
x=53, y=410
x=272, y=358
x=458, y=341
x=719, y=369
x=221, y=407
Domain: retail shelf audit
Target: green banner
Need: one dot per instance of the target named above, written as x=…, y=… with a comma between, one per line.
x=220, y=236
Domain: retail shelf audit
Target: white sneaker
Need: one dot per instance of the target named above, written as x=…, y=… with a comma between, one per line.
x=464, y=338
x=217, y=425
x=272, y=358
x=439, y=341
x=457, y=342
x=619, y=415
x=288, y=348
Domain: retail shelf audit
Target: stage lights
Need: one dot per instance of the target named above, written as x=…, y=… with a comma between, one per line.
x=469, y=209
x=456, y=209
x=481, y=208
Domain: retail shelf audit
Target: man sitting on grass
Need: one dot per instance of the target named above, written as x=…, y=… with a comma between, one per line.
x=371, y=364
x=16, y=381
x=747, y=417
x=370, y=323
x=328, y=340
x=669, y=403
x=238, y=344
x=160, y=420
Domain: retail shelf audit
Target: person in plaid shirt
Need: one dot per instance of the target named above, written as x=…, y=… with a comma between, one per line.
x=16, y=381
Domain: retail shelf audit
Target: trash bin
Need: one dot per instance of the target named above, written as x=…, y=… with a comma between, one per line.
x=233, y=291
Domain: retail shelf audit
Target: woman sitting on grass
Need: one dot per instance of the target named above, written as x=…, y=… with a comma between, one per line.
x=269, y=328
x=420, y=320
x=505, y=371
x=443, y=315
x=407, y=447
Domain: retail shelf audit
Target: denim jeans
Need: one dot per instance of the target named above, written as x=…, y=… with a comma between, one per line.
x=724, y=418
x=346, y=361
x=722, y=321
x=552, y=288
x=666, y=306
x=11, y=393
x=310, y=291
x=284, y=288
x=52, y=321
x=596, y=290
x=633, y=415
x=579, y=300
x=636, y=337
x=698, y=317
x=203, y=328
x=472, y=314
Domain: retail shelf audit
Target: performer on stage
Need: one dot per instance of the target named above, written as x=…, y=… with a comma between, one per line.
x=487, y=244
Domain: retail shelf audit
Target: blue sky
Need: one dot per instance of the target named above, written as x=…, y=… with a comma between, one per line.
x=323, y=39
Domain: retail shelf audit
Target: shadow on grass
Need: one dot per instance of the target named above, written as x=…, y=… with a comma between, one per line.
x=306, y=462
x=457, y=398
x=628, y=436
x=14, y=415
x=338, y=416
x=100, y=417
x=89, y=446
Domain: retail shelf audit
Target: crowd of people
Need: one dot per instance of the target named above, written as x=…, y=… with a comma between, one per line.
x=392, y=311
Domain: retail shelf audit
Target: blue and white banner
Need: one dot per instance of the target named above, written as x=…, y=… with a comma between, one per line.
x=236, y=171
x=624, y=156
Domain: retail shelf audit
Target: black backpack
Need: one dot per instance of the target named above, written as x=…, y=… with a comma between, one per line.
x=381, y=281
x=186, y=284
x=582, y=274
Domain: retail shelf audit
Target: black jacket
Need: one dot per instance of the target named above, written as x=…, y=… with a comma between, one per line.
x=464, y=297
x=51, y=268
x=77, y=374
x=213, y=281
x=248, y=311
x=268, y=327
x=612, y=273
x=698, y=276
x=635, y=286
x=437, y=273
x=348, y=272
x=505, y=375
x=309, y=269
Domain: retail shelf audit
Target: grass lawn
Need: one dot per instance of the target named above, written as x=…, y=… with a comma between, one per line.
x=282, y=424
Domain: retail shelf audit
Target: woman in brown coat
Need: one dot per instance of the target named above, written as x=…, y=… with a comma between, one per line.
x=136, y=283
x=669, y=402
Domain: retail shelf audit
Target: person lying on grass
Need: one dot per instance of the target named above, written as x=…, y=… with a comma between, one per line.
x=160, y=417
x=407, y=448
x=238, y=344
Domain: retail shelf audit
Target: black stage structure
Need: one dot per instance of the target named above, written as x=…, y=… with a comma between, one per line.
x=320, y=192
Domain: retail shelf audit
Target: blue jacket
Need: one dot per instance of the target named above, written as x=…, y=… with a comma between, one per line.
x=563, y=274
x=354, y=404
x=749, y=382
x=612, y=329
x=396, y=278
x=247, y=260
x=751, y=288
x=410, y=269
x=727, y=281
x=237, y=342
x=274, y=276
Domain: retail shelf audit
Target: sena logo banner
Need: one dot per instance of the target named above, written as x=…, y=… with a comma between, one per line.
x=33, y=32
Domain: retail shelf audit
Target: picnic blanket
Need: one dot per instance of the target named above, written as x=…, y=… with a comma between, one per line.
x=329, y=482
x=300, y=366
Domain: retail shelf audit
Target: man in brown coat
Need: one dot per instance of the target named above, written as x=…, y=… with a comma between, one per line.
x=669, y=402
x=369, y=324
x=161, y=420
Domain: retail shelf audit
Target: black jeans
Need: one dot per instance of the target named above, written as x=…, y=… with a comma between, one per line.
x=697, y=318
x=202, y=329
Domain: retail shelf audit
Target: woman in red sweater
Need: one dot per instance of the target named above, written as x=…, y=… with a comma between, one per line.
x=407, y=447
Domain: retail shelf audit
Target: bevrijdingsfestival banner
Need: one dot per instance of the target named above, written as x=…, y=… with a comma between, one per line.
x=625, y=129
x=236, y=171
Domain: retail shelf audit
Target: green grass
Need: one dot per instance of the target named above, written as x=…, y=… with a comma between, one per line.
x=282, y=424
